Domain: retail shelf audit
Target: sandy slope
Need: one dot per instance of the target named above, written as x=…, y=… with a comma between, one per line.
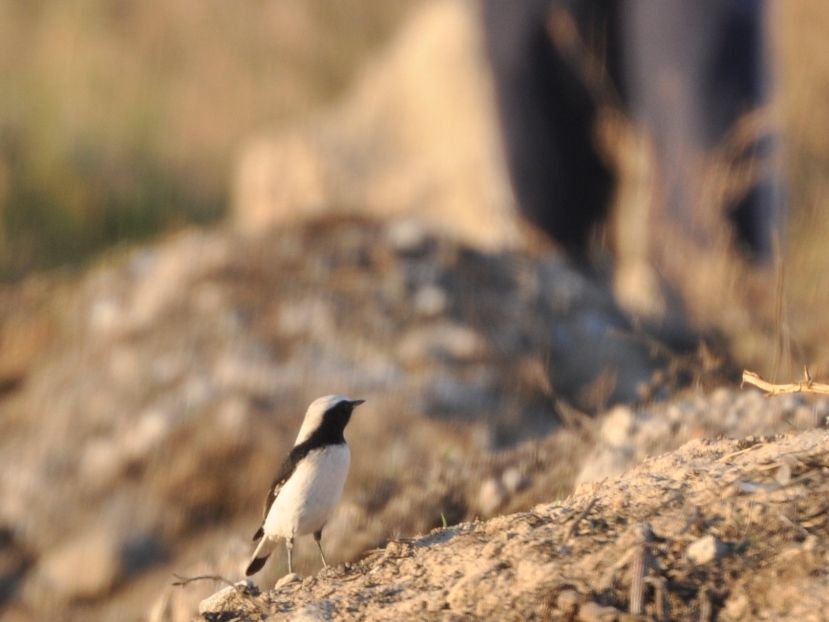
x=725, y=529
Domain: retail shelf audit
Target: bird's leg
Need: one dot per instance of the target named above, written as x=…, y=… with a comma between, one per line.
x=318, y=538
x=289, y=545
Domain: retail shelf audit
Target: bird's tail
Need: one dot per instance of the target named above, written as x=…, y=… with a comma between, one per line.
x=260, y=556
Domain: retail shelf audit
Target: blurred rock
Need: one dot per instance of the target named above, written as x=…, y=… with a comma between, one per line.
x=492, y=496
x=452, y=341
x=513, y=480
x=230, y=597
x=85, y=567
x=430, y=301
x=395, y=146
x=607, y=463
x=736, y=606
x=706, y=549
x=406, y=235
x=627, y=436
x=14, y=561
x=139, y=552
x=618, y=426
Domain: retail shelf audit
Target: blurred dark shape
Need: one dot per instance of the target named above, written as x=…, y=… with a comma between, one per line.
x=14, y=562
x=685, y=71
x=547, y=115
x=141, y=552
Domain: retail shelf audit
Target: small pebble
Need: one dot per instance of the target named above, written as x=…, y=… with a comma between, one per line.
x=706, y=549
x=594, y=612
x=736, y=606
x=430, y=301
x=491, y=496
x=287, y=580
x=406, y=235
x=567, y=602
x=513, y=480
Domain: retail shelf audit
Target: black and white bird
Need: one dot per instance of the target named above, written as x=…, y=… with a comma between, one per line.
x=310, y=481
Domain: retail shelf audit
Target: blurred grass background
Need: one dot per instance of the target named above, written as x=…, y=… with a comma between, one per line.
x=122, y=118
x=802, y=51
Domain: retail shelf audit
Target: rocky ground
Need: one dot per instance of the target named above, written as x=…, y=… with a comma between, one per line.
x=719, y=529
x=165, y=365
x=163, y=385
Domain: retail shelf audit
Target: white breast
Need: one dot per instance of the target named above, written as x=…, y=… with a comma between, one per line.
x=308, y=498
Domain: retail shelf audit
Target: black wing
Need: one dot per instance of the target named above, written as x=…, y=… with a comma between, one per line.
x=285, y=471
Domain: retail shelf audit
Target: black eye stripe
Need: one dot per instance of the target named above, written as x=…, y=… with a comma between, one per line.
x=339, y=407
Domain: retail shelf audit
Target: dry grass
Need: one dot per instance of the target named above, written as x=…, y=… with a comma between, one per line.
x=807, y=386
x=804, y=92
x=120, y=119
x=772, y=316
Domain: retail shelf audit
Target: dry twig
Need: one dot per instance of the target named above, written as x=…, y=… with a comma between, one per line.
x=571, y=532
x=182, y=581
x=243, y=587
x=807, y=386
x=641, y=562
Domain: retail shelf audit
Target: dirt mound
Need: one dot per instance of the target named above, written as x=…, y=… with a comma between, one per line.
x=726, y=529
x=172, y=361
x=176, y=374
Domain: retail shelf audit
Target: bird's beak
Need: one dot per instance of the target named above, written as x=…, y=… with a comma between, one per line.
x=355, y=403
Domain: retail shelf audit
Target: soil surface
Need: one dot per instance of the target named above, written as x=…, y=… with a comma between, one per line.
x=719, y=529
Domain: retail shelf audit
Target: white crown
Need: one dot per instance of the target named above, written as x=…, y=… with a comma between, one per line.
x=315, y=413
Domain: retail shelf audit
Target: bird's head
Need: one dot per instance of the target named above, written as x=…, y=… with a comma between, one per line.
x=332, y=411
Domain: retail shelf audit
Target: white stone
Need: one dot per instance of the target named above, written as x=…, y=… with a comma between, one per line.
x=447, y=339
x=491, y=496
x=513, y=480
x=289, y=578
x=430, y=301
x=146, y=434
x=705, y=550
x=406, y=235
x=618, y=427
x=218, y=600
